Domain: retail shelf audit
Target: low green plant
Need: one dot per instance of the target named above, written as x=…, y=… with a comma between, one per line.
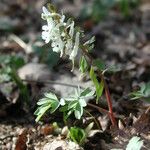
x=77, y=135
x=142, y=93
x=66, y=39
x=100, y=8
x=73, y=104
x=126, y=6
x=7, y=63
x=8, y=68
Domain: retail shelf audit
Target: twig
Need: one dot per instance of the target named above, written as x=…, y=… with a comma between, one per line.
x=21, y=43
x=96, y=122
x=101, y=110
x=52, y=82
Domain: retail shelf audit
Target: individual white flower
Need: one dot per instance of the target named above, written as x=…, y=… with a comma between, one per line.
x=71, y=31
x=76, y=47
x=69, y=47
x=47, y=30
x=45, y=13
x=58, y=46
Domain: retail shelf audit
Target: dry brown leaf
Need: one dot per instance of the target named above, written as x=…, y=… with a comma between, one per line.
x=47, y=129
x=21, y=141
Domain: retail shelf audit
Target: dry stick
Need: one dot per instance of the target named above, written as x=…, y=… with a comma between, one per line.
x=51, y=82
x=102, y=110
x=107, y=93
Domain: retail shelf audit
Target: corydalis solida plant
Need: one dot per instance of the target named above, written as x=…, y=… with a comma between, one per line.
x=65, y=38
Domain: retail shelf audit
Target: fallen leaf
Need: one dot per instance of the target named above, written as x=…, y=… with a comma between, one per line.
x=21, y=141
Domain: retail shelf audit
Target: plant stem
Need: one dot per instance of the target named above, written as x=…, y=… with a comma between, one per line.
x=102, y=110
x=109, y=102
x=107, y=93
x=96, y=122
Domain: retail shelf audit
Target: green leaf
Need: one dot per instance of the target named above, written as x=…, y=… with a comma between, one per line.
x=144, y=92
x=90, y=41
x=83, y=65
x=50, y=102
x=51, y=96
x=64, y=108
x=99, y=64
x=113, y=68
x=54, y=106
x=89, y=128
x=77, y=135
x=99, y=86
x=135, y=144
x=125, y=8
x=146, y=89
x=82, y=102
x=78, y=111
x=87, y=93
x=43, y=101
x=89, y=45
x=41, y=111
x=16, y=62
x=72, y=104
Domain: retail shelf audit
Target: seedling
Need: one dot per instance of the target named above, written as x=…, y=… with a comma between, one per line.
x=142, y=93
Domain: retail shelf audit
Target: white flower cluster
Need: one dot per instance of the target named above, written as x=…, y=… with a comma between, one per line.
x=62, y=35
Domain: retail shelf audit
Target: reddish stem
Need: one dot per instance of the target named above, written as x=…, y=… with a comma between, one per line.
x=109, y=102
x=107, y=93
x=102, y=110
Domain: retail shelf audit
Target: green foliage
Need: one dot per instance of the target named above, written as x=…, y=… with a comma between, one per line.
x=89, y=45
x=135, y=144
x=7, y=63
x=104, y=68
x=99, y=64
x=8, y=69
x=50, y=102
x=144, y=92
x=83, y=65
x=98, y=86
x=77, y=135
x=24, y=93
x=73, y=104
x=77, y=102
x=100, y=8
x=124, y=7
x=127, y=5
